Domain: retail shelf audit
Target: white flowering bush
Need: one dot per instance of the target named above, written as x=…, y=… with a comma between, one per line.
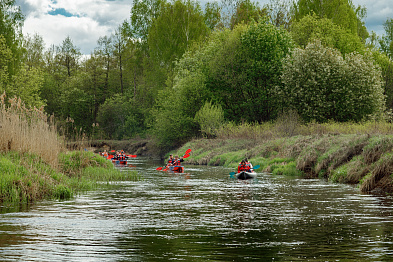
x=321, y=85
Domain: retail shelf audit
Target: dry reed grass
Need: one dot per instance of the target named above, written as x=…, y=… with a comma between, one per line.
x=28, y=130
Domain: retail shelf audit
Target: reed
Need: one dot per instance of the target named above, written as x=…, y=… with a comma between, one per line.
x=28, y=130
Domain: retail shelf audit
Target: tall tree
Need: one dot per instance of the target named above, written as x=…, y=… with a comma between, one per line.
x=311, y=27
x=341, y=12
x=5, y=58
x=33, y=55
x=212, y=15
x=386, y=41
x=69, y=56
x=11, y=21
x=246, y=12
x=279, y=12
x=104, y=53
x=143, y=13
x=120, y=39
x=172, y=32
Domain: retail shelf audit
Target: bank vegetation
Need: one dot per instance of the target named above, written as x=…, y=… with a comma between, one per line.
x=355, y=153
x=34, y=163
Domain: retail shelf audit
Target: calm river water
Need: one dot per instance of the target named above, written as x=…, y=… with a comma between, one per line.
x=203, y=216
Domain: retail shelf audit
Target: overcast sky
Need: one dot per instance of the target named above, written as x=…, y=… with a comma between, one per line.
x=86, y=20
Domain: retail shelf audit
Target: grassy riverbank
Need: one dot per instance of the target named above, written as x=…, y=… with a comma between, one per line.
x=362, y=159
x=27, y=178
x=34, y=163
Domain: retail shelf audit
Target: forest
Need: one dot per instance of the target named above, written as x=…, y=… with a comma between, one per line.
x=176, y=70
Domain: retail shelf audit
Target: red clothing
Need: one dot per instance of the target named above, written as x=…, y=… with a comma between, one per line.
x=244, y=167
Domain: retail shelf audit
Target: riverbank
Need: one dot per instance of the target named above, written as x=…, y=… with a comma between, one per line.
x=28, y=178
x=361, y=159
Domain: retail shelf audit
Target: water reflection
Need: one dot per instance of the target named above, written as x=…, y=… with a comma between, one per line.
x=203, y=215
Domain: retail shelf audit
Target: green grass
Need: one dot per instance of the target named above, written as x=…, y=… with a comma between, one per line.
x=26, y=178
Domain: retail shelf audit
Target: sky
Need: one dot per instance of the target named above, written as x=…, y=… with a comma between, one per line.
x=84, y=21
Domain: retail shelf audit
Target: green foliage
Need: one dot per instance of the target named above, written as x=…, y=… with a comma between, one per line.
x=178, y=24
x=113, y=116
x=310, y=28
x=241, y=70
x=11, y=21
x=386, y=66
x=27, y=85
x=320, y=85
x=288, y=169
x=340, y=12
x=386, y=41
x=62, y=192
x=171, y=126
x=339, y=175
x=5, y=59
x=246, y=12
x=210, y=118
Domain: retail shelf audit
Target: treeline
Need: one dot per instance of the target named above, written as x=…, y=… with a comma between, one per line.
x=176, y=70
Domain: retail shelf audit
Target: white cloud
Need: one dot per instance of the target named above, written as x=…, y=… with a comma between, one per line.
x=90, y=20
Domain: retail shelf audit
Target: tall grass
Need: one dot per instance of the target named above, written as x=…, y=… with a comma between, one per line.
x=28, y=130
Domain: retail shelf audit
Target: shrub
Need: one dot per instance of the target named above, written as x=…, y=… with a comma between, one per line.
x=321, y=85
x=210, y=118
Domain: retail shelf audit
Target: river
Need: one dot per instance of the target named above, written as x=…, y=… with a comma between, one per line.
x=203, y=216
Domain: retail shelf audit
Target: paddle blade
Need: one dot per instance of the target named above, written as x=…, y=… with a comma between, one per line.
x=159, y=168
x=256, y=167
x=232, y=174
x=188, y=151
x=113, y=151
x=165, y=169
x=131, y=155
x=186, y=155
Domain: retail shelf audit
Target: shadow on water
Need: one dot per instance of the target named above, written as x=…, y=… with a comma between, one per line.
x=204, y=215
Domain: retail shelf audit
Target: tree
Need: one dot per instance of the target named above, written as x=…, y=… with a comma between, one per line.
x=341, y=12
x=5, y=59
x=246, y=12
x=11, y=21
x=104, y=54
x=143, y=13
x=321, y=85
x=310, y=27
x=212, y=15
x=27, y=85
x=245, y=70
x=172, y=32
x=120, y=40
x=33, y=51
x=386, y=41
x=68, y=56
x=279, y=13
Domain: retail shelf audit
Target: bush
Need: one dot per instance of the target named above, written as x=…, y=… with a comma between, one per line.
x=210, y=118
x=321, y=85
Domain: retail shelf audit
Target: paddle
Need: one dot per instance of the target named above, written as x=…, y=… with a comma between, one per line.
x=131, y=155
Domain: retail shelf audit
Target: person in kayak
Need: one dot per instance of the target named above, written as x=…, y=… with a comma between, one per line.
x=170, y=160
x=243, y=167
x=249, y=164
x=177, y=161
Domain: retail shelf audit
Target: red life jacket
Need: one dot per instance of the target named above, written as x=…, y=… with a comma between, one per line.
x=241, y=168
